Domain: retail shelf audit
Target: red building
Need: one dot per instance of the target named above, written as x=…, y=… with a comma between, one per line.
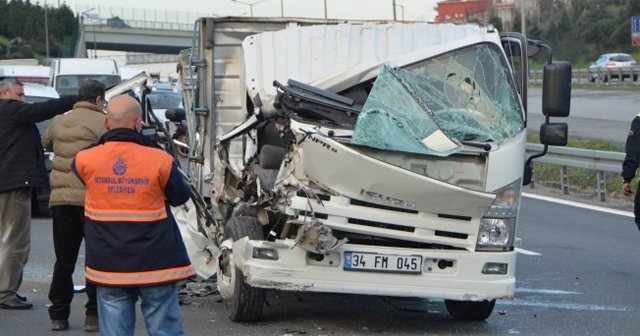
x=463, y=11
x=460, y=11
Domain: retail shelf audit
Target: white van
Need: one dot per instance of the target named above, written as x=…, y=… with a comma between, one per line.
x=67, y=74
x=26, y=73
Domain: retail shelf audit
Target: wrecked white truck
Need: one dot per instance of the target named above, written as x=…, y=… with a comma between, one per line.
x=362, y=158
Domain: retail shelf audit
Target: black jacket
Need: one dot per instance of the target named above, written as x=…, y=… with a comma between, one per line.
x=632, y=148
x=21, y=153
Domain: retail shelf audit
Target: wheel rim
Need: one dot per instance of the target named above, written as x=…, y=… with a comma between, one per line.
x=226, y=275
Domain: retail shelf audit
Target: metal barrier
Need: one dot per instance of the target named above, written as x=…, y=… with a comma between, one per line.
x=629, y=75
x=600, y=161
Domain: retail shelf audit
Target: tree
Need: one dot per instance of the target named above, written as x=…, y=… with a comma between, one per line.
x=496, y=22
x=18, y=48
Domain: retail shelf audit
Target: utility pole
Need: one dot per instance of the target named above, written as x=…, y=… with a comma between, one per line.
x=46, y=28
x=325, y=9
x=522, y=18
x=394, y=10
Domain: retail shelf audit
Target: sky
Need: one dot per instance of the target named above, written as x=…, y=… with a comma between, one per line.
x=418, y=10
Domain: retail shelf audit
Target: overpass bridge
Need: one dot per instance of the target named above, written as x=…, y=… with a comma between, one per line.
x=162, y=38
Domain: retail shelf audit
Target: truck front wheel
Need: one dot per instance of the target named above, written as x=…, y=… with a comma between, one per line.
x=470, y=310
x=242, y=302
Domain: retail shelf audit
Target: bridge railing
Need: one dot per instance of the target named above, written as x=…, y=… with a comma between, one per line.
x=171, y=26
x=138, y=17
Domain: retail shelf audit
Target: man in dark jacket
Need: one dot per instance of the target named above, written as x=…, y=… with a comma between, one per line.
x=68, y=134
x=133, y=244
x=21, y=169
x=630, y=164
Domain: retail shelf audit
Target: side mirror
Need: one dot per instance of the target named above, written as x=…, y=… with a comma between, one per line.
x=150, y=132
x=554, y=134
x=556, y=89
x=175, y=114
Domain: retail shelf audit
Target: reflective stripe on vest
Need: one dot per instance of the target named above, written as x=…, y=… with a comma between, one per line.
x=125, y=216
x=125, y=182
x=139, y=278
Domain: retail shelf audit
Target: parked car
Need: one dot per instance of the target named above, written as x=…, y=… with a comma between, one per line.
x=162, y=100
x=610, y=66
x=35, y=93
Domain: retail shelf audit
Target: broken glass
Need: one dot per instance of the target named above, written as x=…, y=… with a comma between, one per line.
x=434, y=106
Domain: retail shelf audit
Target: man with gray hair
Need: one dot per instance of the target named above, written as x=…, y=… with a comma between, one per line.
x=21, y=169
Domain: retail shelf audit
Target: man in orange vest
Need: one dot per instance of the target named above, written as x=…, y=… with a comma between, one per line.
x=133, y=244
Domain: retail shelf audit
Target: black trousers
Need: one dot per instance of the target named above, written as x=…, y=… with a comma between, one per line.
x=68, y=232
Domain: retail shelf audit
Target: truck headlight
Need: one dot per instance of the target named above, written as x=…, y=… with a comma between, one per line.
x=498, y=225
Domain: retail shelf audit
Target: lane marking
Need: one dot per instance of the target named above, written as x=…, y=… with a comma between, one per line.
x=571, y=306
x=579, y=205
x=545, y=291
x=527, y=252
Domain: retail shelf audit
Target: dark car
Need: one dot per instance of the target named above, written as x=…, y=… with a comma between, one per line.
x=117, y=22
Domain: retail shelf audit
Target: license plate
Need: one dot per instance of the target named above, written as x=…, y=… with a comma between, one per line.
x=378, y=262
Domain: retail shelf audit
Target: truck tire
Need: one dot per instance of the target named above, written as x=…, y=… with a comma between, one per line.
x=246, y=302
x=470, y=310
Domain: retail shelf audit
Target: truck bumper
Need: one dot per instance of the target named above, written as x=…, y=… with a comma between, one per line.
x=297, y=270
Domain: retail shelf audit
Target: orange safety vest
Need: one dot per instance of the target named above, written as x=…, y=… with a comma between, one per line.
x=127, y=226
x=124, y=181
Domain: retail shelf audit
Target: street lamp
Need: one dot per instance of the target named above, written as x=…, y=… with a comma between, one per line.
x=249, y=4
x=82, y=16
x=401, y=7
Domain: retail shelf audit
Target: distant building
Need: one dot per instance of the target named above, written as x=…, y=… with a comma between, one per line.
x=481, y=11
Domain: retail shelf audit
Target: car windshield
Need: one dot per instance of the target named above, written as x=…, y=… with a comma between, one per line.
x=433, y=106
x=165, y=99
x=622, y=58
x=69, y=84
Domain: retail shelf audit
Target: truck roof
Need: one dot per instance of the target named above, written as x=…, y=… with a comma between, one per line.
x=78, y=66
x=336, y=57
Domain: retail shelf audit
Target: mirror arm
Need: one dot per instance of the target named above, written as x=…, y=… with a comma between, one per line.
x=535, y=156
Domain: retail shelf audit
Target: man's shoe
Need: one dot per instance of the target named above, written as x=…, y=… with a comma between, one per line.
x=21, y=298
x=91, y=323
x=59, y=325
x=16, y=303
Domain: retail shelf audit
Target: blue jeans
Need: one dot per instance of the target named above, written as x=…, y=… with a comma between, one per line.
x=117, y=314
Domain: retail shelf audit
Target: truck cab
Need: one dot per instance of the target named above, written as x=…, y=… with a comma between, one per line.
x=364, y=157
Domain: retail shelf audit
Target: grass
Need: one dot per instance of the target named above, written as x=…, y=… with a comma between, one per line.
x=581, y=180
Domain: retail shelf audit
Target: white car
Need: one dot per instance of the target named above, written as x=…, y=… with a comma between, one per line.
x=611, y=65
x=35, y=93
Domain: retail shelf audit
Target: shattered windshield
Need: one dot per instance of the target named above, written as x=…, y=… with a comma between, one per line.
x=434, y=106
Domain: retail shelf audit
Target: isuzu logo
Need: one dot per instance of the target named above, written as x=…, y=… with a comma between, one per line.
x=387, y=199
